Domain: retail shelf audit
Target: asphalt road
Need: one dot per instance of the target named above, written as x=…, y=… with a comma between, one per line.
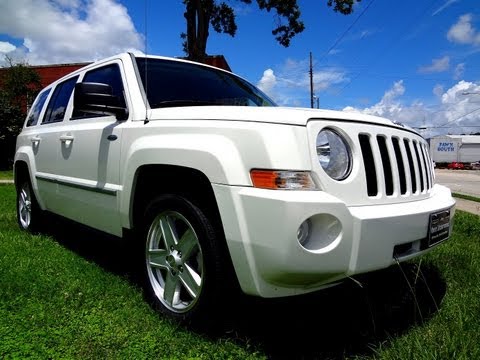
x=464, y=182
x=460, y=181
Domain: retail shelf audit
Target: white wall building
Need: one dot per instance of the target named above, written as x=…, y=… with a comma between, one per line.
x=450, y=148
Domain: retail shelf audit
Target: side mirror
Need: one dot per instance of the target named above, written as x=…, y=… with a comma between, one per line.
x=98, y=99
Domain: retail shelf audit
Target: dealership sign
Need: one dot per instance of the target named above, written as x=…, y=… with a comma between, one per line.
x=446, y=146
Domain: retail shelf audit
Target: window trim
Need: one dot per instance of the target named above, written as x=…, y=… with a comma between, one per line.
x=48, y=92
x=82, y=76
x=51, y=98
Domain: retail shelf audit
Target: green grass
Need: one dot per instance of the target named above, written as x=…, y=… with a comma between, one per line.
x=56, y=304
x=6, y=175
x=466, y=197
x=61, y=296
x=454, y=331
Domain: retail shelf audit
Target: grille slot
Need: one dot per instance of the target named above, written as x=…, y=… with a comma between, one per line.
x=413, y=177
x=400, y=165
x=428, y=168
x=403, y=166
x=420, y=167
x=369, y=164
x=387, y=167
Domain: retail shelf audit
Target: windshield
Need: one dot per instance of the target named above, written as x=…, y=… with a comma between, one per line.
x=172, y=83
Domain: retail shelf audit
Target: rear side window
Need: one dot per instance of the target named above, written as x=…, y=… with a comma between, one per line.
x=59, y=101
x=109, y=75
x=37, y=108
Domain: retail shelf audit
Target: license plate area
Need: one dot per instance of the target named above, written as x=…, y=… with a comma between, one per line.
x=438, y=227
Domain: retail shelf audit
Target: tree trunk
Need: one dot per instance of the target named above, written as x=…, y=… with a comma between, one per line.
x=198, y=20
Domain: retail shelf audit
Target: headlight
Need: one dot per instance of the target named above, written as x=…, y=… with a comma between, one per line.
x=334, y=154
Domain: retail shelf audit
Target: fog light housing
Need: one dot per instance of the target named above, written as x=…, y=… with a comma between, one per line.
x=304, y=231
x=324, y=233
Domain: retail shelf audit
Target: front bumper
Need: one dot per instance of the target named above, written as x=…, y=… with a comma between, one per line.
x=261, y=232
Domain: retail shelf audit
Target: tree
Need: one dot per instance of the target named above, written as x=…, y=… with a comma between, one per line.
x=201, y=14
x=19, y=85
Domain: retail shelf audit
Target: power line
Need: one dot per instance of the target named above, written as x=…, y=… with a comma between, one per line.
x=456, y=119
x=340, y=38
x=395, y=42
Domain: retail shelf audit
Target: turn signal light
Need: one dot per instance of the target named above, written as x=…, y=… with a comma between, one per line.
x=282, y=180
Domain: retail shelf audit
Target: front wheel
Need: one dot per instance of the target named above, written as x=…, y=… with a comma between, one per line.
x=183, y=264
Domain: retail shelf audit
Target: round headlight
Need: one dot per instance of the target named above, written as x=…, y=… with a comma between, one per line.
x=334, y=154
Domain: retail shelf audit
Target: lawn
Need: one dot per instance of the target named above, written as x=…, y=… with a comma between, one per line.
x=466, y=197
x=6, y=174
x=72, y=294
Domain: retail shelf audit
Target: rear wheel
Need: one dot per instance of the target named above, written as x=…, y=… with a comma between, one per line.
x=28, y=212
x=183, y=265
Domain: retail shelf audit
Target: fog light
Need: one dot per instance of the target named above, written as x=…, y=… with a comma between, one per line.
x=303, y=232
x=324, y=233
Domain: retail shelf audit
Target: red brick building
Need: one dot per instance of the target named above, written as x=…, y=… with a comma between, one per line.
x=51, y=73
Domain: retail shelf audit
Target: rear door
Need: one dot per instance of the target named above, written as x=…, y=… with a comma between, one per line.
x=46, y=142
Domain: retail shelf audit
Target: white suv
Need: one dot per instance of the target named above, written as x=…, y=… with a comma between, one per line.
x=218, y=186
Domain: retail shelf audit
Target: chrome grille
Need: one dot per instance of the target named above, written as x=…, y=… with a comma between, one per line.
x=403, y=167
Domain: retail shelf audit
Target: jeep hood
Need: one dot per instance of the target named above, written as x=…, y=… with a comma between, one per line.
x=277, y=115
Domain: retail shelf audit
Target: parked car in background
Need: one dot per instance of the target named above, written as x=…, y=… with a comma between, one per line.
x=475, y=165
x=456, y=166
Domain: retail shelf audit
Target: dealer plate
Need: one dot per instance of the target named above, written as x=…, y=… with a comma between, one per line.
x=438, y=227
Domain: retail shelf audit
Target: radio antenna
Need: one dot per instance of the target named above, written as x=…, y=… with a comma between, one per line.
x=146, y=63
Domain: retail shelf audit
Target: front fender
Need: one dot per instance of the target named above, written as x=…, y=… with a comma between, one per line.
x=223, y=151
x=214, y=155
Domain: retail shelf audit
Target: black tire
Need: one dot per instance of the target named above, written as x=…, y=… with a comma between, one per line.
x=29, y=214
x=183, y=267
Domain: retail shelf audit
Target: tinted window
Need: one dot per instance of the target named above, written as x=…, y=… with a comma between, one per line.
x=109, y=75
x=59, y=101
x=37, y=108
x=172, y=83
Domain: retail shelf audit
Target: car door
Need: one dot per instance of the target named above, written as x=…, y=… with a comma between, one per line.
x=46, y=142
x=89, y=159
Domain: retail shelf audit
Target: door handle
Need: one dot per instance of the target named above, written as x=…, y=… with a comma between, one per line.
x=35, y=140
x=66, y=139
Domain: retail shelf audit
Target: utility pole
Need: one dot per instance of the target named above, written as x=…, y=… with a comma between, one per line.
x=311, y=81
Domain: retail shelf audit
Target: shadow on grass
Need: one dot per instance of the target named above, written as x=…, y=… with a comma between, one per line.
x=346, y=320
x=107, y=251
x=350, y=319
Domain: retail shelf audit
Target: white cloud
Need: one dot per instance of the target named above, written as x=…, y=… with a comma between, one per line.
x=388, y=106
x=438, y=65
x=268, y=81
x=457, y=109
x=6, y=47
x=59, y=31
x=289, y=84
x=438, y=90
x=459, y=70
x=463, y=32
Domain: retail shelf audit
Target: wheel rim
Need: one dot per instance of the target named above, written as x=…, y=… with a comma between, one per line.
x=174, y=261
x=25, y=206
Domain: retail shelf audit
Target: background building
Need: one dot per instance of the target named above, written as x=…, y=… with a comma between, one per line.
x=455, y=148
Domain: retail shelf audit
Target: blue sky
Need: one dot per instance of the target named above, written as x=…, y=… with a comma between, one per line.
x=417, y=62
